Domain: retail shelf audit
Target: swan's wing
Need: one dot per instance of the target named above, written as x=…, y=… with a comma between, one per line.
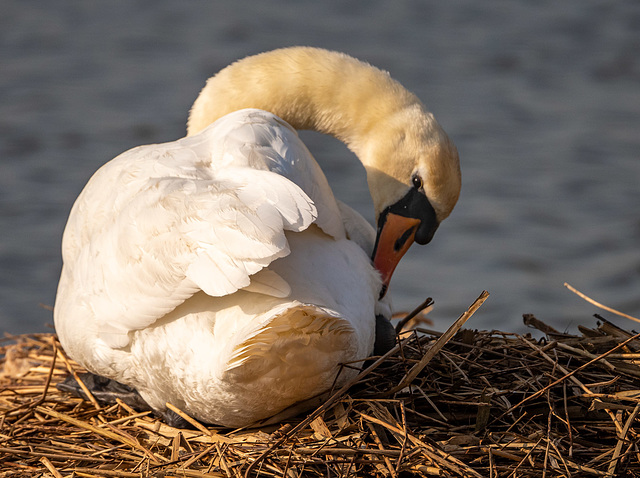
x=265, y=141
x=152, y=228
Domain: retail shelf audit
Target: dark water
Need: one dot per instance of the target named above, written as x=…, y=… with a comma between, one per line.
x=542, y=99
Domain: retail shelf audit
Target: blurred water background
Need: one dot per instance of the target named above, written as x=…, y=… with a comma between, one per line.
x=542, y=99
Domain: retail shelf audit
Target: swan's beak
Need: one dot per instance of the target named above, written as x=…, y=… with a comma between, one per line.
x=394, y=239
x=410, y=219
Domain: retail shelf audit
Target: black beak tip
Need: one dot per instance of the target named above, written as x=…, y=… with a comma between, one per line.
x=425, y=233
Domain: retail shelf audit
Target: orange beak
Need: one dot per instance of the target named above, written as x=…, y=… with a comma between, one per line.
x=394, y=239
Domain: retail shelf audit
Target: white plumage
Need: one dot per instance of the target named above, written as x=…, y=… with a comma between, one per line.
x=215, y=273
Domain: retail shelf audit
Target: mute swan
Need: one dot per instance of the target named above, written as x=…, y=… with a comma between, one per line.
x=217, y=272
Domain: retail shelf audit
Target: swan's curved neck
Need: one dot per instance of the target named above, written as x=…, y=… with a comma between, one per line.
x=309, y=88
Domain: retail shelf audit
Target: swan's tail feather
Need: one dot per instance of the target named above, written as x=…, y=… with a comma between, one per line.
x=300, y=337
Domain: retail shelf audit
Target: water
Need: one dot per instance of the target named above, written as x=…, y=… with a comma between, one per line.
x=541, y=98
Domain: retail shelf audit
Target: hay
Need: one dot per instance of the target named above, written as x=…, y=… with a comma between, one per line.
x=484, y=404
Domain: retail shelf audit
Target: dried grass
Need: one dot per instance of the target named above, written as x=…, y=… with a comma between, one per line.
x=464, y=403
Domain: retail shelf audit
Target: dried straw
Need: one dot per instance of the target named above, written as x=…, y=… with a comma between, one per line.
x=464, y=403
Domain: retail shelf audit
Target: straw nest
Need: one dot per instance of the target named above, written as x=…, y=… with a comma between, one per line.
x=464, y=403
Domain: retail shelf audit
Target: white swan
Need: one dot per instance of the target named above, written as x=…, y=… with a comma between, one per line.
x=217, y=272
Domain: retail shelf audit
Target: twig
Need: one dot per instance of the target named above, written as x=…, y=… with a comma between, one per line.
x=94, y=471
x=586, y=354
x=45, y=461
x=72, y=371
x=427, y=303
x=598, y=304
x=51, y=369
x=621, y=440
x=378, y=442
x=442, y=340
x=189, y=419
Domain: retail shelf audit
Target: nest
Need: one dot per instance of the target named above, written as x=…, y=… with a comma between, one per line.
x=464, y=403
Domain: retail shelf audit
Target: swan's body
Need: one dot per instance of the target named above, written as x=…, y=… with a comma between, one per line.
x=218, y=272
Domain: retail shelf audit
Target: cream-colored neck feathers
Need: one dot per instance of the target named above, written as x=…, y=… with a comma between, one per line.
x=333, y=93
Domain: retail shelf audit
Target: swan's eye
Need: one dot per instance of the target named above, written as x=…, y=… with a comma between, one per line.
x=417, y=182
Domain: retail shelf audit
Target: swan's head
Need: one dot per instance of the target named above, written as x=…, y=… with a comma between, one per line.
x=413, y=173
x=412, y=166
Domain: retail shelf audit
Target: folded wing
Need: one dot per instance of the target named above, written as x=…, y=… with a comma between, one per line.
x=159, y=223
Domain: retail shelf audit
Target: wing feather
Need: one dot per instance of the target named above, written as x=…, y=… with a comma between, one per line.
x=161, y=222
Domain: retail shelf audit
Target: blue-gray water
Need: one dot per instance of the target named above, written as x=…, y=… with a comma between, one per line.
x=542, y=99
